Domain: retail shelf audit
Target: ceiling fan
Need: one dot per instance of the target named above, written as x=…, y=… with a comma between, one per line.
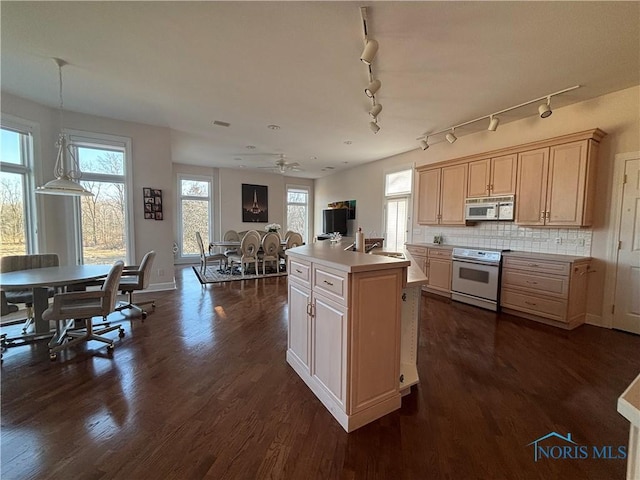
x=282, y=166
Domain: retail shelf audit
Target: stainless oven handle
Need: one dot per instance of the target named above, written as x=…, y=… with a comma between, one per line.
x=477, y=262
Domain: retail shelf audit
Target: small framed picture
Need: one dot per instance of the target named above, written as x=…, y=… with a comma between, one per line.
x=147, y=207
x=158, y=215
x=148, y=215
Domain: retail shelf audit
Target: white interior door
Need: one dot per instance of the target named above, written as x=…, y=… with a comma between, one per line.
x=627, y=299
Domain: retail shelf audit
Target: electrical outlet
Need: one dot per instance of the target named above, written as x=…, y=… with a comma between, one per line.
x=581, y=242
x=558, y=240
x=161, y=272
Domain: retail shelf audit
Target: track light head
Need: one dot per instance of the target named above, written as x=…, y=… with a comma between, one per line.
x=451, y=136
x=493, y=123
x=375, y=111
x=424, y=144
x=369, y=52
x=545, y=109
x=372, y=88
x=374, y=127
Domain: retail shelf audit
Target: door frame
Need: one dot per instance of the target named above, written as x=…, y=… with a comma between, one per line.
x=614, y=236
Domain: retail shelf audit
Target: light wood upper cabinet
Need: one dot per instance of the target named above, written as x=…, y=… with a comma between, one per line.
x=553, y=181
x=532, y=185
x=429, y=196
x=495, y=176
x=441, y=194
x=556, y=185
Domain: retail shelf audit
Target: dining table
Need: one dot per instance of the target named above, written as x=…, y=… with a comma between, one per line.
x=40, y=279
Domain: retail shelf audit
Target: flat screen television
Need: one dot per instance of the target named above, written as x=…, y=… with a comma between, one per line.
x=335, y=220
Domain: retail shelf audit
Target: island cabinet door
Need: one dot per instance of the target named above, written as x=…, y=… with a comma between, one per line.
x=329, y=347
x=376, y=308
x=299, y=320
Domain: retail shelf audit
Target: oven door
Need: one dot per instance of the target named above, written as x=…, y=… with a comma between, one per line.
x=475, y=279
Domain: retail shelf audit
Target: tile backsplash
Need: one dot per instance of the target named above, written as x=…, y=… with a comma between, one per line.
x=508, y=235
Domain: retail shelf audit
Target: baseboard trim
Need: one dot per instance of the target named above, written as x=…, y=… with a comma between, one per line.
x=595, y=320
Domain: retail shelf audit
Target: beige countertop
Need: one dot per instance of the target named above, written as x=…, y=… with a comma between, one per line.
x=333, y=255
x=511, y=253
x=629, y=403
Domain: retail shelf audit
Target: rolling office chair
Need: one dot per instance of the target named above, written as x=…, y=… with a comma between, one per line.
x=13, y=263
x=71, y=306
x=136, y=278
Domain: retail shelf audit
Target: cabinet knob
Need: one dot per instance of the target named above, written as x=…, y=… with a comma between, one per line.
x=530, y=303
x=328, y=283
x=531, y=282
x=299, y=271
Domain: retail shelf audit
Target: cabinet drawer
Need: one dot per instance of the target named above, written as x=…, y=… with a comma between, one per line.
x=444, y=253
x=332, y=283
x=420, y=251
x=299, y=270
x=538, y=266
x=558, y=286
x=552, y=308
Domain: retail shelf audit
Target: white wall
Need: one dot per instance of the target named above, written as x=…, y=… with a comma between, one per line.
x=618, y=114
x=151, y=152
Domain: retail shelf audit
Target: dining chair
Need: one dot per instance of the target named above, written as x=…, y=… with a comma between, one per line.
x=12, y=263
x=136, y=278
x=71, y=307
x=205, y=257
x=270, y=250
x=248, y=253
x=293, y=240
x=231, y=236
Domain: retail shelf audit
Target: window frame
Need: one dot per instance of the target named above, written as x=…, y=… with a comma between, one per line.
x=28, y=147
x=180, y=198
x=104, y=141
x=395, y=196
x=307, y=189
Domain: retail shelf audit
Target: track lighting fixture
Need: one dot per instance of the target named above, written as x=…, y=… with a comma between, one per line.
x=369, y=52
x=372, y=88
x=451, y=137
x=493, y=123
x=375, y=111
x=545, y=109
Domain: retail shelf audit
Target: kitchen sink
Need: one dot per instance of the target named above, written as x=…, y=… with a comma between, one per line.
x=399, y=255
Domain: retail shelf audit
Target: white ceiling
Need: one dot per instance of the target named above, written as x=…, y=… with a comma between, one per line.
x=184, y=65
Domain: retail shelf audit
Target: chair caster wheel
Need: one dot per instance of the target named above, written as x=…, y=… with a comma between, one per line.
x=144, y=315
x=53, y=356
x=153, y=305
x=110, y=349
x=121, y=333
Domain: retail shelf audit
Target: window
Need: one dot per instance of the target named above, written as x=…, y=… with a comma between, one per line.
x=103, y=221
x=298, y=210
x=17, y=212
x=194, y=213
x=397, y=192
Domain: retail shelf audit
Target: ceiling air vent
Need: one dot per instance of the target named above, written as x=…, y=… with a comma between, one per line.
x=218, y=123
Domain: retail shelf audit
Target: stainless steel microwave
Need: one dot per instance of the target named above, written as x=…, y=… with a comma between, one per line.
x=489, y=208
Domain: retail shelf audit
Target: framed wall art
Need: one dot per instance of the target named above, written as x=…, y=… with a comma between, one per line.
x=255, y=205
x=152, y=203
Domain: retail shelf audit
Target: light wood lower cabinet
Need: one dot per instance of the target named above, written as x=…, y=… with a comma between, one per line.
x=345, y=338
x=435, y=262
x=548, y=290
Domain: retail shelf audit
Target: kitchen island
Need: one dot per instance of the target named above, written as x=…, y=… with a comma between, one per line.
x=353, y=323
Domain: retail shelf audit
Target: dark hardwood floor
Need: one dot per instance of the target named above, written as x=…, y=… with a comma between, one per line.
x=201, y=389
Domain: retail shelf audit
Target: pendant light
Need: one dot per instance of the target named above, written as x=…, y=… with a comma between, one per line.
x=66, y=170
